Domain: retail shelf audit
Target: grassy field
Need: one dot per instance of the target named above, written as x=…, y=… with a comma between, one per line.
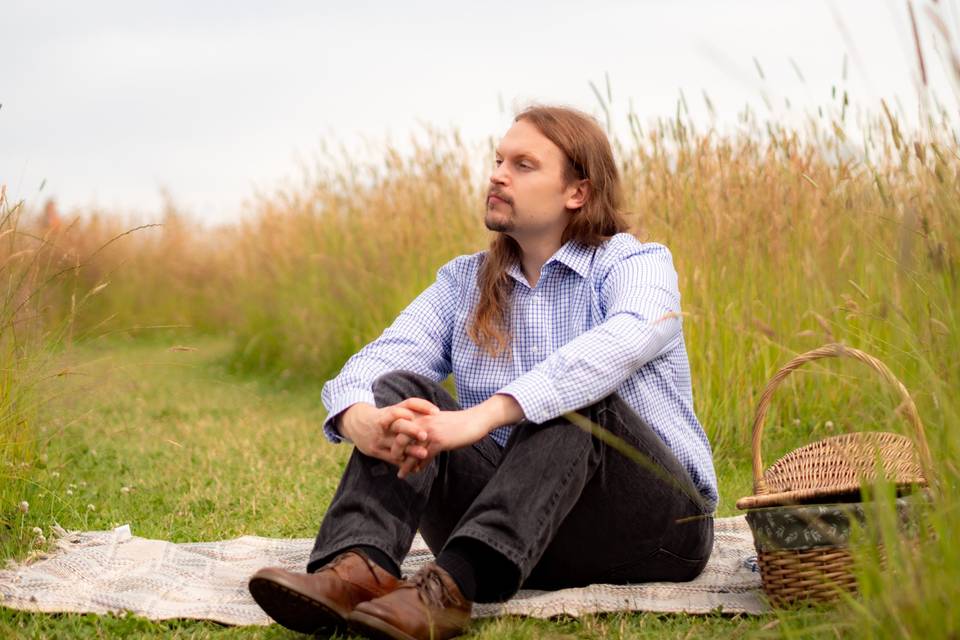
x=249, y=460
x=784, y=240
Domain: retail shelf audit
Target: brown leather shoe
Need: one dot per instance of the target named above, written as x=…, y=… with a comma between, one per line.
x=309, y=602
x=429, y=606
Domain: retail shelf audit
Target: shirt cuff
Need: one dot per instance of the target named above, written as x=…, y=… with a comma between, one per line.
x=344, y=401
x=536, y=395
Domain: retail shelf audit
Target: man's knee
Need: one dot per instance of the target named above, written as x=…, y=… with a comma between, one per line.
x=611, y=403
x=579, y=426
x=399, y=385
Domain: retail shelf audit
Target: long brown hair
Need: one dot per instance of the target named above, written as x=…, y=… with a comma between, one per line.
x=588, y=156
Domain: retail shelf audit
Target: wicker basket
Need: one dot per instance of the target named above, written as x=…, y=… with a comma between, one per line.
x=815, y=488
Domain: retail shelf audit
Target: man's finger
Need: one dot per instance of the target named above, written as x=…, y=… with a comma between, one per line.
x=381, y=452
x=417, y=452
x=384, y=448
x=421, y=405
x=400, y=443
x=420, y=465
x=403, y=425
x=409, y=429
x=406, y=467
x=393, y=414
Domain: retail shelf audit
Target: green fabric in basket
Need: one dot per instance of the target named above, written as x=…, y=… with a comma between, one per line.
x=807, y=526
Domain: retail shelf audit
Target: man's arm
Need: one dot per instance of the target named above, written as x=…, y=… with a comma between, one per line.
x=419, y=340
x=336, y=425
x=641, y=298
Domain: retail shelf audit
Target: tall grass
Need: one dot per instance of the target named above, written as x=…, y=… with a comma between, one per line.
x=144, y=277
x=19, y=274
x=783, y=239
x=44, y=269
x=24, y=360
x=325, y=267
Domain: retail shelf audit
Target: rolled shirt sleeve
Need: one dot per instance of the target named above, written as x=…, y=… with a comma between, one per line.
x=640, y=301
x=419, y=340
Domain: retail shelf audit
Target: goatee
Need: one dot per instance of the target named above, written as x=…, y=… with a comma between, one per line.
x=498, y=225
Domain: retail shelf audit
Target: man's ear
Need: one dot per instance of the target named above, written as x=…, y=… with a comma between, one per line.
x=580, y=194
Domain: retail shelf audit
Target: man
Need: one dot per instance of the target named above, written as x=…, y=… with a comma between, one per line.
x=572, y=455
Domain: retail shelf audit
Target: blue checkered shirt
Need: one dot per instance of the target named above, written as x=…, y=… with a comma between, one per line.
x=599, y=320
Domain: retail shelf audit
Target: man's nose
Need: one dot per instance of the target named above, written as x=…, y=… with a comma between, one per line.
x=498, y=175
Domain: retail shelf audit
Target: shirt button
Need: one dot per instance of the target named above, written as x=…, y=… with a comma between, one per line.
x=533, y=349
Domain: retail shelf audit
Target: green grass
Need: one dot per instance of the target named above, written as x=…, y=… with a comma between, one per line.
x=781, y=242
x=249, y=458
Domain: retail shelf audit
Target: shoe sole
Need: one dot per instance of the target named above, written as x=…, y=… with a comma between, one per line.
x=294, y=610
x=373, y=627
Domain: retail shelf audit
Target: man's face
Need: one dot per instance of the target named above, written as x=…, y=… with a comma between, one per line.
x=527, y=196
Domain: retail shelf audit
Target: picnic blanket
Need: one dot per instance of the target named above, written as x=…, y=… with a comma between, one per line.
x=115, y=572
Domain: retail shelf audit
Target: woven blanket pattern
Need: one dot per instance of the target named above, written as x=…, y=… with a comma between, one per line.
x=116, y=572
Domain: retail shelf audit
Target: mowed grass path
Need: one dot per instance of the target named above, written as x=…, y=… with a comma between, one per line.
x=163, y=438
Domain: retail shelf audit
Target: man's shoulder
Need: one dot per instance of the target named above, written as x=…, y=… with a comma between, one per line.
x=463, y=268
x=623, y=246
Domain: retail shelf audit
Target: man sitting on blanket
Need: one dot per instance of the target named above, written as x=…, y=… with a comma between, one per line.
x=572, y=454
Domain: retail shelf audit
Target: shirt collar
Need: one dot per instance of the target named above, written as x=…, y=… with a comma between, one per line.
x=573, y=254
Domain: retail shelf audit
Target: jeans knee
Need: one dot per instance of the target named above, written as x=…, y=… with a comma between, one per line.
x=399, y=384
x=395, y=375
x=612, y=403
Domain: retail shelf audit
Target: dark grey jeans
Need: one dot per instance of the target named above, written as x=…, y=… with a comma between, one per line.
x=561, y=505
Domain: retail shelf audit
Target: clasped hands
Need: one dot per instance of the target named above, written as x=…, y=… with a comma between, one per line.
x=411, y=433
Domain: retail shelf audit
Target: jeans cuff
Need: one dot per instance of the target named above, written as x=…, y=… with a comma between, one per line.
x=513, y=555
x=331, y=551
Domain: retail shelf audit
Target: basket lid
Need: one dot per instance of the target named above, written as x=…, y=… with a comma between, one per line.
x=840, y=464
x=836, y=466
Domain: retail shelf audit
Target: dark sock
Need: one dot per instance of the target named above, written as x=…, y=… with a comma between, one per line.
x=482, y=573
x=381, y=558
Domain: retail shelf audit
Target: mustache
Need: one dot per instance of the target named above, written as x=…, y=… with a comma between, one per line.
x=499, y=194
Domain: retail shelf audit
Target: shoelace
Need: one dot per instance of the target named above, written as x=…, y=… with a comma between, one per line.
x=371, y=565
x=430, y=588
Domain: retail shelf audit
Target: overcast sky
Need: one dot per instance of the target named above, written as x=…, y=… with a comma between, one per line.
x=109, y=103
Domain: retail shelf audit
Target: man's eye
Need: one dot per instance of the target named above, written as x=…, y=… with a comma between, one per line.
x=526, y=165
x=497, y=162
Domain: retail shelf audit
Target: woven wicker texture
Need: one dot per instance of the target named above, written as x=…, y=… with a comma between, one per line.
x=838, y=465
x=813, y=574
x=828, y=470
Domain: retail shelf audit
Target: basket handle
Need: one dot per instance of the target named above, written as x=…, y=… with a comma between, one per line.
x=832, y=350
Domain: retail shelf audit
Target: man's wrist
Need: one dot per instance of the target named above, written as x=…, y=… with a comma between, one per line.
x=347, y=421
x=338, y=426
x=343, y=423
x=498, y=410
